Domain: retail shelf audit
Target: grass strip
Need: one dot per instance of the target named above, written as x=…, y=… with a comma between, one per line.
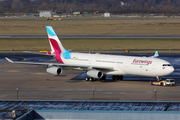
x=91, y=27
x=93, y=45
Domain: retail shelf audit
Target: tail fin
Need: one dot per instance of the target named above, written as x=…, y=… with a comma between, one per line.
x=56, y=46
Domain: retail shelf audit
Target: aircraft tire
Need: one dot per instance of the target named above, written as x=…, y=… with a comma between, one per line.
x=103, y=78
x=113, y=77
x=87, y=79
x=91, y=79
x=121, y=77
x=117, y=77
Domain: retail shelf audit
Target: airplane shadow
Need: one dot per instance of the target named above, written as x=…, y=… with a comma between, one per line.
x=130, y=78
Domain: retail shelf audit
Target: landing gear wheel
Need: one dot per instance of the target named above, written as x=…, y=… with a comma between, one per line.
x=103, y=78
x=87, y=79
x=117, y=77
x=114, y=77
x=121, y=77
x=91, y=79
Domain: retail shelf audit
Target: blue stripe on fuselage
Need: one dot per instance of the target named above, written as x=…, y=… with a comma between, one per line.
x=67, y=54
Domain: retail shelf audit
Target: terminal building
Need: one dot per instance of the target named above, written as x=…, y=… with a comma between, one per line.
x=83, y=110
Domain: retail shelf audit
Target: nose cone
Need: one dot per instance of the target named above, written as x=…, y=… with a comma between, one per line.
x=171, y=69
x=168, y=70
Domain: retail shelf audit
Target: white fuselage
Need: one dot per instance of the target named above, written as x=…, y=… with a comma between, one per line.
x=123, y=65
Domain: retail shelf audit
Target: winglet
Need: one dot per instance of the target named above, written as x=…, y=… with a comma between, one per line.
x=156, y=54
x=9, y=60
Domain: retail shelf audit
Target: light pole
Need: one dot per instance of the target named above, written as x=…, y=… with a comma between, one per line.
x=93, y=93
x=17, y=90
x=155, y=94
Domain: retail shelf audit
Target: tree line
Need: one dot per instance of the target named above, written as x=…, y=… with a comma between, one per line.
x=90, y=6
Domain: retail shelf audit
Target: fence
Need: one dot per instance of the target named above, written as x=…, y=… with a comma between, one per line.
x=57, y=94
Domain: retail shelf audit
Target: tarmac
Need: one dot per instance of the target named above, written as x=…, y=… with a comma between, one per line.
x=34, y=83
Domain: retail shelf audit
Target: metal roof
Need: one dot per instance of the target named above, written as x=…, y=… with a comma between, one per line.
x=21, y=107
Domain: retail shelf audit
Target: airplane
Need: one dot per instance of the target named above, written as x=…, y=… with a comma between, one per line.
x=100, y=65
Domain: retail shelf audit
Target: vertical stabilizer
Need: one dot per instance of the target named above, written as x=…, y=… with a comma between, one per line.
x=56, y=46
x=54, y=41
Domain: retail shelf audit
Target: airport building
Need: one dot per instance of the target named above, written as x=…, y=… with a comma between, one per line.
x=82, y=110
x=45, y=13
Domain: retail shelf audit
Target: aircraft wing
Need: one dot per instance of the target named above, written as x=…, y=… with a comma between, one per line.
x=62, y=65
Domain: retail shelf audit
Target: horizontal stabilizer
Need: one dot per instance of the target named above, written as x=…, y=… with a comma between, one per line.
x=40, y=53
x=9, y=60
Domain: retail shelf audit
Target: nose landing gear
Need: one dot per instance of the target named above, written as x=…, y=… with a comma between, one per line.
x=159, y=78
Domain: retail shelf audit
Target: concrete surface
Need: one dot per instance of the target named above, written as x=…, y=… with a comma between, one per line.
x=35, y=84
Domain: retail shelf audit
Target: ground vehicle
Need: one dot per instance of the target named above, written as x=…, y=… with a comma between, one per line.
x=167, y=82
x=49, y=18
x=57, y=18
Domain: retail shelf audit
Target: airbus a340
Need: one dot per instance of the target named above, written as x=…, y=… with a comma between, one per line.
x=100, y=65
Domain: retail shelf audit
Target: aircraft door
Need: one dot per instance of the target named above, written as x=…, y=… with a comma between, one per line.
x=91, y=60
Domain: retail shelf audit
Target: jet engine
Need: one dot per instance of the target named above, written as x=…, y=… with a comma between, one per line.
x=54, y=70
x=95, y=73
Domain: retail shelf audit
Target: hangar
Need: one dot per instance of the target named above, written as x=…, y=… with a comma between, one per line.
x=45, y=13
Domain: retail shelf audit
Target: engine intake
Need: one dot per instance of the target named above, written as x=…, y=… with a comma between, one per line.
x=95, y=73
x=54, y=70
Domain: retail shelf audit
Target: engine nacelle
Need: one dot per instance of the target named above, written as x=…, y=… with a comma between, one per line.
x=54, y=70
x=95, y=73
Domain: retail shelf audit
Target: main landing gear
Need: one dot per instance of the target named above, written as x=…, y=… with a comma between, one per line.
x=90, y=79
x=117, y=77
x=114, y=77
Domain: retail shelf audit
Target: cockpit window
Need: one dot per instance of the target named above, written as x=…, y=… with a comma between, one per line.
x=166, y=65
